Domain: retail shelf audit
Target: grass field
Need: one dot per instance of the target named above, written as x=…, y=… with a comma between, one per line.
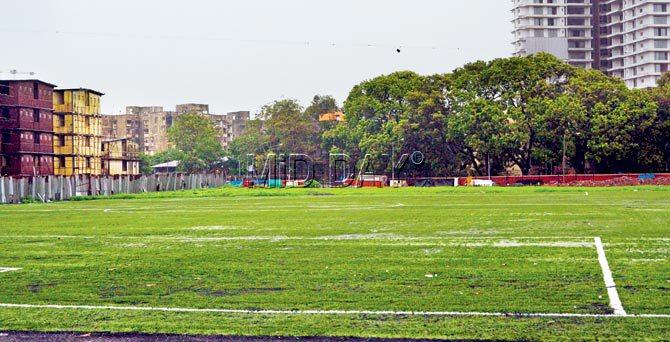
x=348, y=262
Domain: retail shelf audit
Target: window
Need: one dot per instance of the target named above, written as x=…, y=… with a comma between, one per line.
x=61, y=120
x=61, y=161
x=36, y=138
x=36, y=115
x=88, y=141
x=5, y=113
x=6, y=138
x=4, y=88
x=61, y=140
x=88, y=162
x=124, y=165
x=36, y=91
x=87, y=121
x=60, y=98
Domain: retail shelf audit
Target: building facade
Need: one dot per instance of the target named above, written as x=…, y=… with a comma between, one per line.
x=145, y=126
x=561, y=27
x=120, y=157
x=623, y=38
x=332, y=117
x=633, y=40
x=238, y=123
x=192, y=108
x=26, y=128
x=77, y=132
x=148, y=126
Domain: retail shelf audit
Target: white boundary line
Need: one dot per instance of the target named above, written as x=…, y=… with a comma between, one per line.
x=615, y=301
x=8, y=269
x=328, y=312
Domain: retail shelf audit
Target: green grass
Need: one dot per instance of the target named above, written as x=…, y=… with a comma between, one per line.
x=526, y=250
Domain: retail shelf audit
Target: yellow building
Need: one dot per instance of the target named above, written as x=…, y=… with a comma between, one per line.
x=332, y=117
x=77, y=132
x=120, y=157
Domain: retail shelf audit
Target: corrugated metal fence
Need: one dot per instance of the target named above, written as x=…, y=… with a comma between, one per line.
x=60, y=188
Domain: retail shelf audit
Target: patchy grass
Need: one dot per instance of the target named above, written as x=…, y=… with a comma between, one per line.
x=525, y=250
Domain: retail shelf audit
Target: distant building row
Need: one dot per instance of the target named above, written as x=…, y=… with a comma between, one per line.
x=47, y=131
x=148, y=126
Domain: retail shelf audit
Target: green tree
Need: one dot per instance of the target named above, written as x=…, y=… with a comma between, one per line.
x=147, y=162
x=511, y=95
x=321, y=104
x=254, y=141
x=664, y=81
x=196, y=138
x=375, y=111
x=660, y=134
x=290, y=129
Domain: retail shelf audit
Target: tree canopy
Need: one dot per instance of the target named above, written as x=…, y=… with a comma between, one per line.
x=506, y=115
x=197, y=141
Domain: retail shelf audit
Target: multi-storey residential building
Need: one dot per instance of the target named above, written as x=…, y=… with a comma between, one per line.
x=145, y=126
x=561, y=27
x=120, y=157
x=623, y=38
x=238, y=123
x=223, y=128
x=26, y=128
x=148, y=126
x=192, y=108
x=230, y=126
x=633, y=39
x=77, y=132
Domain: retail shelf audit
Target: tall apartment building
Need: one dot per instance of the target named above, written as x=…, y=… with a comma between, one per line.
x=26, y=128
x=561, y=27
x=77, y=132
x=623, y=38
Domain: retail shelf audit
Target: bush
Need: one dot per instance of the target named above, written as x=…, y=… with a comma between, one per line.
x=313, y=184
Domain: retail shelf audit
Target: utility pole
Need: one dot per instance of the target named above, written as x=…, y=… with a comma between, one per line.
x=392, y=163
x=488, y=165
x=564, y=153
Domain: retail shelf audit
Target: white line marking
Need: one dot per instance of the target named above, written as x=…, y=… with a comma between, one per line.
x=328, y=312
x=502, y=241
x=8, y=269
x=615, y=302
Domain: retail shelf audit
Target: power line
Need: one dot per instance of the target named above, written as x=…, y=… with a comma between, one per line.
x=306, y=43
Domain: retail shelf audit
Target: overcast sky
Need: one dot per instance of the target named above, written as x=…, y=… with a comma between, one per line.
x=240, y=55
